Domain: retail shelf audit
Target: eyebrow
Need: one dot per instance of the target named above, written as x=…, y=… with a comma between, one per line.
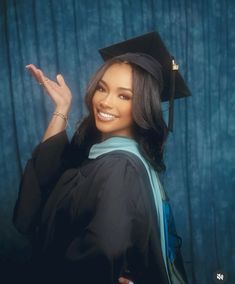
x=119, y=88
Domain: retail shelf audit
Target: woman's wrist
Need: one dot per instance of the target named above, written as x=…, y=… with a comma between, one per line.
x=62, y=113
x=64, y=117
x=63, y=110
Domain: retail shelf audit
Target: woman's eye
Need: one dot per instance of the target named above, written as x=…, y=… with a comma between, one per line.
x=99, y=88
x=124, y=97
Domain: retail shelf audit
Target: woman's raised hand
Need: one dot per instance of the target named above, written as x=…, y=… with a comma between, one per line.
x=123, y=280
x=58, y=91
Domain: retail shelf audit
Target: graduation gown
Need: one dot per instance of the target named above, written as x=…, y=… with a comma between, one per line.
x=88, y=224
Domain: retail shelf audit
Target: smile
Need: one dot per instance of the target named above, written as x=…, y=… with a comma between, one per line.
x=105, y=116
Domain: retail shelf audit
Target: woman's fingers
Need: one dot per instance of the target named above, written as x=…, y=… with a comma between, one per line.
x=34, y=71
x=37, y=74
x=48, y=84
x=123, y=280
x=42, y=77
x=57, y=90
x=60, y=80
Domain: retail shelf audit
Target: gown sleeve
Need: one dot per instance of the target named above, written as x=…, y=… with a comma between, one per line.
x=116, y=240
x=40, y=175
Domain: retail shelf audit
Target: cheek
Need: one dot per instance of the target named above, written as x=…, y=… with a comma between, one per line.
x=128, y=113
x=94, y=100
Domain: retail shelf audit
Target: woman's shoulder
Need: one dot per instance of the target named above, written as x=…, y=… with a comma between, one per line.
x=121, y=162
x=121, y=157
x=124, y=173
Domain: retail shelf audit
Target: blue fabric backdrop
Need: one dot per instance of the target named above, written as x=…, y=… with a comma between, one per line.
x=63, y=37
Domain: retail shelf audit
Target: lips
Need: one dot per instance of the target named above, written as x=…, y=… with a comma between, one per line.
x=104, y=116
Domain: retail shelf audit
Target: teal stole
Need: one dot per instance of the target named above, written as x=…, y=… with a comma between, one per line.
x=130, y=145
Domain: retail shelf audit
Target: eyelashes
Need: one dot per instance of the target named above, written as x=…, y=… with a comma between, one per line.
x=99, y=88
x=122, y=96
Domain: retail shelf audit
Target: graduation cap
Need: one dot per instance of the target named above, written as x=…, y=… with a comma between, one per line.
x=148, y=51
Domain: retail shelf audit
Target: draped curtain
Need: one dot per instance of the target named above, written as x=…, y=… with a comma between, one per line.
x=63, y=36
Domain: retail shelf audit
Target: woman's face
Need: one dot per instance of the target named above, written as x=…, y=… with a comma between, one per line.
x=112, y=101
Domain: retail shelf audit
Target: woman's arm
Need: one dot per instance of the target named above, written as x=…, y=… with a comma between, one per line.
x=49, y=153
x=61, y=97
x=43, y=170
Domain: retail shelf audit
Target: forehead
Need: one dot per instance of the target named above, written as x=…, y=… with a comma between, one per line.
x=118, y=73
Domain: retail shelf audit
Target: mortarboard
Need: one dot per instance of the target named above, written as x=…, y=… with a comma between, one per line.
x=148, y=51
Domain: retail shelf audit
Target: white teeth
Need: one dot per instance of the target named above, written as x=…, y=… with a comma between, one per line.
x=105, y=116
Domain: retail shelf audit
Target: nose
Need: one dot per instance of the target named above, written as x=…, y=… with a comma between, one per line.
x=106, y=102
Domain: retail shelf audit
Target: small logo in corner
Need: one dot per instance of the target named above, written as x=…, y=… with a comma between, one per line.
x=220, y=276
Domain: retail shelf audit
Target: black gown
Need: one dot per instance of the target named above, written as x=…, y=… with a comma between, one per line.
x=90, y=224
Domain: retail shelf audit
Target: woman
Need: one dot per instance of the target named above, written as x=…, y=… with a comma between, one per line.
x=88, y=205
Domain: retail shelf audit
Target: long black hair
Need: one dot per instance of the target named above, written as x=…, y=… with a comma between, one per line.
x=150, y=130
